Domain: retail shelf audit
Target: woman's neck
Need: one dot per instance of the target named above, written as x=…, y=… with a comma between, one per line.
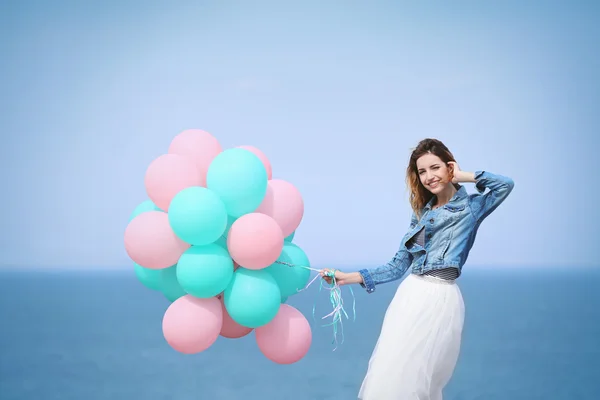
x=445, y=196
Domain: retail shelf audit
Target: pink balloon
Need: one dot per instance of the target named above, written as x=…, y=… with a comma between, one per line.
x=262, y=157
x=191, y=325
x=167, y=175
x=199, y=145
x=230, y=328
x=151, y=243
x=287, y=338
x=255, y=241
x=283, y=202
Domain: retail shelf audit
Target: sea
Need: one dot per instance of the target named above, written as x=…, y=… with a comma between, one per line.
x=530, y=333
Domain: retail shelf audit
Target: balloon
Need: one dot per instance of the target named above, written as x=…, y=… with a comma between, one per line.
x=149, y=277
x=263, y=158
x=197, y=215
x=283, y=202
x=150, y=241
x=163, y=280
x=147, y=205
x=169, y=285
x=222, y=241
x=287, y=338
x=230, y=328
x=283, y=299
x=200, y=146
x=168, y=175
x=290, y=278
x=255, y=241
x=240, y=179
x=252, y=298
x=290, y=238
x=235, y=267
x=191, y=325
x=205, y=271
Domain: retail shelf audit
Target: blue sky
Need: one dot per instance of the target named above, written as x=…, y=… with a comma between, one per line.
x=335, y=94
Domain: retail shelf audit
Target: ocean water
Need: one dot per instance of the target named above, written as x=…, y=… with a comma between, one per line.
x=529, y=334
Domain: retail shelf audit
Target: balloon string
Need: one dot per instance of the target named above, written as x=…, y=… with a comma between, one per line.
x=335, y=298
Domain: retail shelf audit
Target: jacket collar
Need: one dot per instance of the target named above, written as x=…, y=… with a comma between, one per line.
x=460, y=194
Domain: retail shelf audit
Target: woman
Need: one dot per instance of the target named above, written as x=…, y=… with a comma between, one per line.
x=419, y=343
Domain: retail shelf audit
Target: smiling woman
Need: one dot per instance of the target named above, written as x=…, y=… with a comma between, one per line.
x=420, y=339
x=436, y=176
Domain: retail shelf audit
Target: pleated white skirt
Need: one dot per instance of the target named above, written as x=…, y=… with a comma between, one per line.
x=419, y=343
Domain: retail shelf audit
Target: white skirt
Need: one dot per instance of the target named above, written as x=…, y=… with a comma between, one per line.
x=419, y=343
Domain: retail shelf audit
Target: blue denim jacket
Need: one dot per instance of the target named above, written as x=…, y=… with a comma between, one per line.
x=449, y=235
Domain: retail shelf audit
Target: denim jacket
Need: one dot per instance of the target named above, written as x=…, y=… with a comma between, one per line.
x=448, y=237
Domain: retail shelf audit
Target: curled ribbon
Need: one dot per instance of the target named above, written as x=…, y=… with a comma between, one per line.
x=336, y=299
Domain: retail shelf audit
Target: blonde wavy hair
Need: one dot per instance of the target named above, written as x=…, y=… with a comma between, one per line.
x=419, y=196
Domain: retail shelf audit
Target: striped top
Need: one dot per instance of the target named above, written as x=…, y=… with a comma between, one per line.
x=445, y=273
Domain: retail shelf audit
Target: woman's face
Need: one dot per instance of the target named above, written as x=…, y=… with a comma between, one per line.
x=433, y=173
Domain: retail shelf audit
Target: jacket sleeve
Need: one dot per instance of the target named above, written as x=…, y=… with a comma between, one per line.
x=482, y=205
x=393, y=270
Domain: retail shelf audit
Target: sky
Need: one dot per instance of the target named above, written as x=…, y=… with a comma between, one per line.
x=336, y=94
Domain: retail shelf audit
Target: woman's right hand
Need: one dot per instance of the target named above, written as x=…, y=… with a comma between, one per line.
x=342, y=278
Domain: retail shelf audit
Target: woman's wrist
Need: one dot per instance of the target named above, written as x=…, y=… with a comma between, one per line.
x=464, y=177
x=355, y=277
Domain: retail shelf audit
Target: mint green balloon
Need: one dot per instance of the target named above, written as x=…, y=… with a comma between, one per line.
x=205, y=271
x=149, y=277
x=253, y=298
x=290, y=237
x=290, y=279
x=143, y=207
x=197, y=215
x=222, y=241
x=240, y=179
x=169, y=286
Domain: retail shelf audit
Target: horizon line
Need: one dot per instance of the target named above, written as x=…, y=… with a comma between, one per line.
x=345, y=268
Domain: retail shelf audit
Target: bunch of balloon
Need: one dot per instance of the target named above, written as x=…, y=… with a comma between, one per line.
x=215, y=238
